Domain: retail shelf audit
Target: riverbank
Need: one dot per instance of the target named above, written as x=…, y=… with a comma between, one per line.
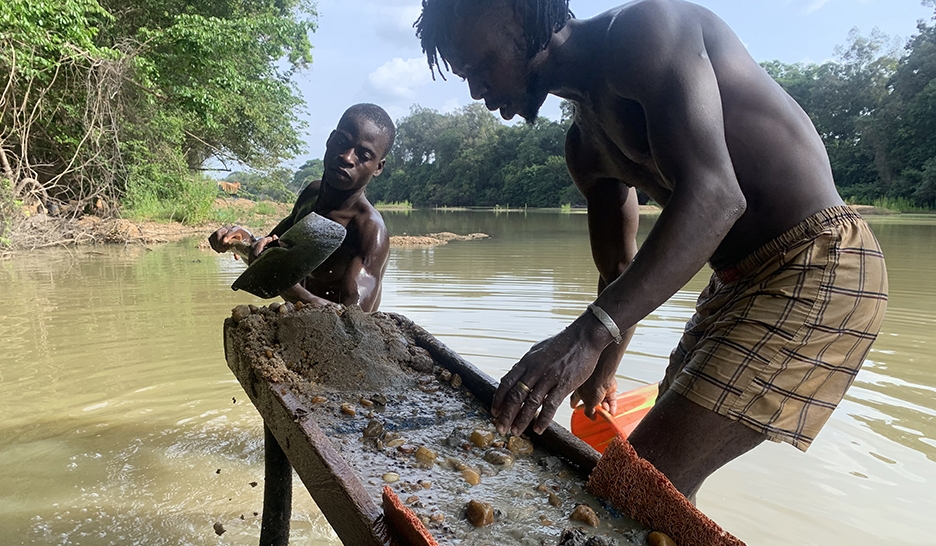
x=43, y=231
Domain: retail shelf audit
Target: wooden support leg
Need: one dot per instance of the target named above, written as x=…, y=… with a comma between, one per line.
x=277, y=493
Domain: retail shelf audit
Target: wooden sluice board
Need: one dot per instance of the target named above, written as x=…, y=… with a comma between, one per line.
x=337, y=488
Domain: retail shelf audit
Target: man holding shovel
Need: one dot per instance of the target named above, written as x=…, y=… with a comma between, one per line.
x=351, y=274
x=323, y=268
x=668, y=100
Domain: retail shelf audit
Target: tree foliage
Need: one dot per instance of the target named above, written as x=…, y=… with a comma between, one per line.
x=468, y=158
x=126, y=101
x=875, y=109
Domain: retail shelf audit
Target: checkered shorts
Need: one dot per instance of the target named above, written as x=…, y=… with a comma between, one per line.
x=777, y=339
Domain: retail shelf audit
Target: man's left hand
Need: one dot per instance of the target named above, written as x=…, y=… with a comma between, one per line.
x=548, y=373
x=596, y=392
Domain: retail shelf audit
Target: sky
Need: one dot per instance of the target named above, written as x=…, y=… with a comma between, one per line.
x=366, y=51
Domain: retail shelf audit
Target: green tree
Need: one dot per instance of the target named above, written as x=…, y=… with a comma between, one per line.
x=130, y=100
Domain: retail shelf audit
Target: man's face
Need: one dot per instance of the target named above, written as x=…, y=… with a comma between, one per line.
x=489, y=51
x=354, y=153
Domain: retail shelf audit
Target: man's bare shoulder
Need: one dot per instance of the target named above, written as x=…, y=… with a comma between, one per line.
x=647, y=37
x=370, y=224
x=309, y=192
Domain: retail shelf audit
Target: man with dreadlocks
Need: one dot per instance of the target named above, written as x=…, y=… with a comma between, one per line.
x=668, y=100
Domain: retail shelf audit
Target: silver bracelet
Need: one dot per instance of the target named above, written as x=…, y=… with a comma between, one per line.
x=608, y=322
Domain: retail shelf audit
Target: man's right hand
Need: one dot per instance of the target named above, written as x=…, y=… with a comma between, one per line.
x=262, y=244
x=227, y=236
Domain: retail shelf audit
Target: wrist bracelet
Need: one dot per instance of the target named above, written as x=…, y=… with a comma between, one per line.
x=607, y=321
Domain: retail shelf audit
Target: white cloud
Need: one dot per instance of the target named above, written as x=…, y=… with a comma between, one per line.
x=451, y=105
x=395, y=22
x=815, y=6
x=399, y=78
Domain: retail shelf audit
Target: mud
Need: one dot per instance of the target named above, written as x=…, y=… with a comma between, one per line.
x=398, y=418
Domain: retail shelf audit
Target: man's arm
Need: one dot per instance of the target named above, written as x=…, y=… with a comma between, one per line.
x=304, y=204
x=361, y=284
x=678, y=91
x=613, y=217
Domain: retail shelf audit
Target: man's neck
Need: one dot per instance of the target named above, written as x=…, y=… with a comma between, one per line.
x=569, y=64
x=332, y=200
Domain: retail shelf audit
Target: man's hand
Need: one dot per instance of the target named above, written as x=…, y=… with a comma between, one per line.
x=548, y=373
x=260, y=245
x=595, y=392
x=226, y=237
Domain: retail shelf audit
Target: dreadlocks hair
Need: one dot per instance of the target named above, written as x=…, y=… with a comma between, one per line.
x=376, y=114
x=434, y=28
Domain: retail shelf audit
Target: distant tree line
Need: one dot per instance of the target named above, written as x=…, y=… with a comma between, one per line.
x=874, y=107
x=469, y=158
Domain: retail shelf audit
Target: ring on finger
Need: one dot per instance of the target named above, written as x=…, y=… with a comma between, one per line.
x=523, y=386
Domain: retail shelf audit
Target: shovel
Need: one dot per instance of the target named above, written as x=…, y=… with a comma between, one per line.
x=631, y=406
x=300, y=250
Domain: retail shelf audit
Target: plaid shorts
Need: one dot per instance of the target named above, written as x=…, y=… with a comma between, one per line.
x=777, y=339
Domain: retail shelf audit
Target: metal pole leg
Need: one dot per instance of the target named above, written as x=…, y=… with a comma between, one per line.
x=277, y=493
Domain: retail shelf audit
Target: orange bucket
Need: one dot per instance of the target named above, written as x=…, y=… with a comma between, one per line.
x=631, y=405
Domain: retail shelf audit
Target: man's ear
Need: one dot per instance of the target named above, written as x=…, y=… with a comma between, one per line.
x=380, y=167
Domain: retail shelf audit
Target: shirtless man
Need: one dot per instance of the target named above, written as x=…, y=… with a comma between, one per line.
x=668, y=100
x=355, y=152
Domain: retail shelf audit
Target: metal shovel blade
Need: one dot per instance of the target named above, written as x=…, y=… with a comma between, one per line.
x=301, y=249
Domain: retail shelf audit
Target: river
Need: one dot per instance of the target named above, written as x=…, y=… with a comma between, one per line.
x=121, y=423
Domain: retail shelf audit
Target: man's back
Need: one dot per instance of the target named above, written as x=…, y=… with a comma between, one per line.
x=675, y=76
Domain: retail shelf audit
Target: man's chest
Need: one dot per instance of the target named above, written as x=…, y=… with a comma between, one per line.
x=617, y=129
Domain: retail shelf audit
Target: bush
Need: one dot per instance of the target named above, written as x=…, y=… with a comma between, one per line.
x=153, y=194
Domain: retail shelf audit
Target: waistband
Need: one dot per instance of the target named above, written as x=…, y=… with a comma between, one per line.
x=808, y=229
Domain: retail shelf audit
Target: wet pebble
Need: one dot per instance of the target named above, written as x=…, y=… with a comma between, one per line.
x=391, y=477
x=396, y=442
x=500, y=457
x=471, y=476
x=657, y=538
x=319, y=399
x=379, y=399
x=456, y=464
x=426, y=456
x=425, y=484
x=456, y=380
x=373, y=429
x=437, y=517
x=554, y=499
x=412, y=499
x=240, y=312
x=482, y=438
x=268, y=353
x=519, y=445
x=479, y=513
x=586, y=515
x=283, y=309
x=274, y=306
x=348, y=409
x=366, y=403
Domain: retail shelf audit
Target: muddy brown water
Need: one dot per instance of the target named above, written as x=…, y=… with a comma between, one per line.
x=122, y=424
